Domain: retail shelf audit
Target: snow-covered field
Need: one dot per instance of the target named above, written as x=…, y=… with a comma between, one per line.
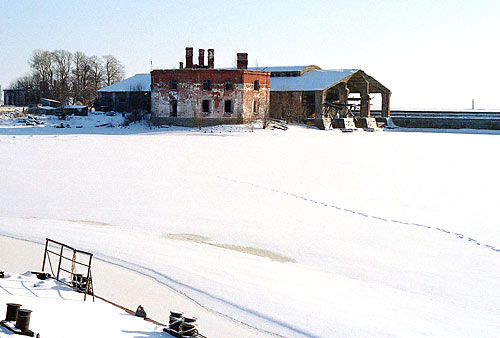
x=300, y=233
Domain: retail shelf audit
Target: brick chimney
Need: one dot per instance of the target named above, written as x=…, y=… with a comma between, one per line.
x=189, y=57
x=201, y=57
x=210, y=58
x=242, y=60
x=181, y=65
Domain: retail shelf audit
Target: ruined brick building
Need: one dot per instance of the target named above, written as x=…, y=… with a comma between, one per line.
x=199, y=94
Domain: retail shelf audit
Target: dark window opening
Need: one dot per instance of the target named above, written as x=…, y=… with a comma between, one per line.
x=206, y=84
x=256, y=85
x=174, y=84
x=227, y=106
x=173, y=112
x=206, y=106
x=255, y=106
x=229, y=85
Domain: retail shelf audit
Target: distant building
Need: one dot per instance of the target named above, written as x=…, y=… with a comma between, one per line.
x=199, y=94
x=130, y=95
x=20, y=97
x=308, y=88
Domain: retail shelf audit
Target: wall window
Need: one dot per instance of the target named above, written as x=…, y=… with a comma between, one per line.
x=205, y=106
x=206, y=84
x=229, y=85
x=173, y=110
x=174, y=85
x=255, y=106
x=256, y=85
x=228, y=106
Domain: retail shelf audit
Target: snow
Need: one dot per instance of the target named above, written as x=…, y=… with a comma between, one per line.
x=136, y=83
x=310, y=81
x=280, y=68
x=302, y=233
x=60, y=312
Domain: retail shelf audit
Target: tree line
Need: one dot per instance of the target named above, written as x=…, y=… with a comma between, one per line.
x=70, y=77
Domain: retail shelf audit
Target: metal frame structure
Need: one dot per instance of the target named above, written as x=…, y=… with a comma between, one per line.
x=89, y=288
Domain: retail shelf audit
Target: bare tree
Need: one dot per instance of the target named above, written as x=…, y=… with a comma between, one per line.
x=97, y=78
x=27, y=82
x=42, y=65
x=81, y=78
x=69, y=77
x=62, y=69
x=113, y=70
x=288, y=106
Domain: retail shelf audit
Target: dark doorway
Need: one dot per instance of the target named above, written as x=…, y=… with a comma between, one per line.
x=173, y=112
x=206, y=106
x=227, y=107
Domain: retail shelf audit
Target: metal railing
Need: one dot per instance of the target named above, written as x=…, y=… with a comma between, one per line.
x=78, y=281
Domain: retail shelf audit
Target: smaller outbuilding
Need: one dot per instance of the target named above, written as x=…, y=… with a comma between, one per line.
x=132, y=95
x=20, y=97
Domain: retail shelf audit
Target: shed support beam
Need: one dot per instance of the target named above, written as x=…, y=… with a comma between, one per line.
x=386, y=103
x=343, y=96
x=365, y=100
x=319, y=98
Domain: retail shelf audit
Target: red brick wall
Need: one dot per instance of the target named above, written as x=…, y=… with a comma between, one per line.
x=190, y=92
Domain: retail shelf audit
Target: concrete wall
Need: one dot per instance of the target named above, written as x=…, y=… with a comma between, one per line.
x=446, y=123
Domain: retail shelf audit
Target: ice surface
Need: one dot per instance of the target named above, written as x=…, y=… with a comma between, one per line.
x=388, y=233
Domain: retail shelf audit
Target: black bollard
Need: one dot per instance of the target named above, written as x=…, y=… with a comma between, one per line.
x=23, y=320
x=175, y=321
x=12, y=311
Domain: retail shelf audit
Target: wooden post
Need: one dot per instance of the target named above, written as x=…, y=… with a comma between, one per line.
x=318, y=104
x=365, y=100
x=386, y=103
x=343, y=96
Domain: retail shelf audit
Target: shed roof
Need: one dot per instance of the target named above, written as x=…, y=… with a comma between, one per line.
x=310, y=81
x=136, y=83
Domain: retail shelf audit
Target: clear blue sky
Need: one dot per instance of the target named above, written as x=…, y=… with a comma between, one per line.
x=429, y=53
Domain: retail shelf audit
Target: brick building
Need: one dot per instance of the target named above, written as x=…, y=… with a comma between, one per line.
x=199, y=94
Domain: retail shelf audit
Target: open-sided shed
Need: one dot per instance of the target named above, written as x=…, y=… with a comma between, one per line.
x=302, y=91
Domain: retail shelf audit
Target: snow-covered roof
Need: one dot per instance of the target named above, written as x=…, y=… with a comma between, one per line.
x=280, y=68
x=136, y=83
x=311, y=80
x=75, y=106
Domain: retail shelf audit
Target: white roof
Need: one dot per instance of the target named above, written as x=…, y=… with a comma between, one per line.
x=310, y=81
x=136, y=83
x=280, y=68
x=75, y=106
